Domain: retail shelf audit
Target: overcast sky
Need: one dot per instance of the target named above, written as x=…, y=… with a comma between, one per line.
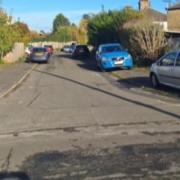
x=39, y=14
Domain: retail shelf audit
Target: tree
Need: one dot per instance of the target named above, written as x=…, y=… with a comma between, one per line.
x=148, y=40
x=105, y=26
x=3, y=17
x=7, y=34
x=23, y=31
x=60, y=21
x=6, y=40
x=82, y=31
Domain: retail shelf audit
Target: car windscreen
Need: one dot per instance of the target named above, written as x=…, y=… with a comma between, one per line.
x=82, y=48
x=108, y=49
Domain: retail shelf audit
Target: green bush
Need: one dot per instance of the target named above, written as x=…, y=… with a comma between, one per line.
x=11, y=33
x=105, y=26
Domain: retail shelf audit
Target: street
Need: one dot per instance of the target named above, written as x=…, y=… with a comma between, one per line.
x=68, y=120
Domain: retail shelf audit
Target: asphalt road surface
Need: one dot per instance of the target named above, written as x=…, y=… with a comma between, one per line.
x=70, y=121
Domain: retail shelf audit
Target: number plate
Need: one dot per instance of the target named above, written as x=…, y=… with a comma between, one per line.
x=119, y=61
x=39, y=54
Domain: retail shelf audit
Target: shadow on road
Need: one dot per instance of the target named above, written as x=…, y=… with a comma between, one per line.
x=140, y=82
x=119, y=163
x=84, y=63
x=13, y=176
x=154, y=108
x=144, y=82
x=137, y=82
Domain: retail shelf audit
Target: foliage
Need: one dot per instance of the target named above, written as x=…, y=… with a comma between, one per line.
x=82, y=31
x=64, y=31
x=144, y=39
x=62, y=34
x=11, y=33
x=105, y=26
x=6, y=42
x=60, y=21
x=23, y=32
x=149, y=41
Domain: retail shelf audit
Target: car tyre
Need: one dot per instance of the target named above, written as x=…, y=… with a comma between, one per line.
x=154, y=81
x=101, y=66
x=129, y=68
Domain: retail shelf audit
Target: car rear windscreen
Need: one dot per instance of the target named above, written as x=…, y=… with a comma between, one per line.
x=39, y=50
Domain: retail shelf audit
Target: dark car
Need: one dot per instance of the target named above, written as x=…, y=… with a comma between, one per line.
x=81, y=51
x=49, y=48
x=39, y=54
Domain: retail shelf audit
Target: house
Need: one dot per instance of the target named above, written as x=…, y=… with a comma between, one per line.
x=174, y=18
x=173, y=32
x=153, y=15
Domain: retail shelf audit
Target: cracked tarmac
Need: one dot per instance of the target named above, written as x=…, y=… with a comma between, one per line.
x=69, y=121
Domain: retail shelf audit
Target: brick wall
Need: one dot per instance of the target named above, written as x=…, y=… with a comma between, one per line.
x=174, y=20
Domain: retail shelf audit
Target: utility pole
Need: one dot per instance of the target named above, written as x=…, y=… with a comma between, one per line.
x=102, y=8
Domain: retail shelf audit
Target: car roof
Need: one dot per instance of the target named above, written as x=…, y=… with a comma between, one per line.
x=110, y=44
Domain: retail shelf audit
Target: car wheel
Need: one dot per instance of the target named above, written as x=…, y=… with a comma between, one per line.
x=101, y=66
x=154, y=81
x=129, y=68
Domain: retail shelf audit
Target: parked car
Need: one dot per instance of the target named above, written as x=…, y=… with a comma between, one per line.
x=72, y=47
x=67, y=49
x=39, y=54
x=110, y=56
x=49, y=48
x=166, y=71
x=81, y=51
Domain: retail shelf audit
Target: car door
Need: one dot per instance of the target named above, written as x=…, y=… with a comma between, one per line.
x=165, y=68
x=176, y=71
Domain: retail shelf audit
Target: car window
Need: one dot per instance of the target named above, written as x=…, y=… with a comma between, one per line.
x=168, y=60
x=178, y=60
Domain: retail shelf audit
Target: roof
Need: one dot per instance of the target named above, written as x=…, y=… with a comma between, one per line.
x=175, y=7
x=154, y=15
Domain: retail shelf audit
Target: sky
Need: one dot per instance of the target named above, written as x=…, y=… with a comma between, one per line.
x=39, y=14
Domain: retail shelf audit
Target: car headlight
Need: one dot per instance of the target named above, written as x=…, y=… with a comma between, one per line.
x=105, y=59
x=128, y=56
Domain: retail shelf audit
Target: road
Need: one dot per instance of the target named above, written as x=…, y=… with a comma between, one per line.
x=70, y=121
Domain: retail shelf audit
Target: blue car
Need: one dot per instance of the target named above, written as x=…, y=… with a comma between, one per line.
x=110, y=56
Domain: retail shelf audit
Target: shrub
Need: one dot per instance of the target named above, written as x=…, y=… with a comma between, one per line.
x=105, y=26
x=146, y=41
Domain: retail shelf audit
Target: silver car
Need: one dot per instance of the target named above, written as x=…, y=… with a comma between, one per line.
x=166, y=70
x=39, y=54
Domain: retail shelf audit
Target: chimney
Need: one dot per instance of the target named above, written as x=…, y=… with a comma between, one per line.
x=144, y=4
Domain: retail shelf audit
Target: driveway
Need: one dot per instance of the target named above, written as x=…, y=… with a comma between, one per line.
x=138, y=80
x=70, y=121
